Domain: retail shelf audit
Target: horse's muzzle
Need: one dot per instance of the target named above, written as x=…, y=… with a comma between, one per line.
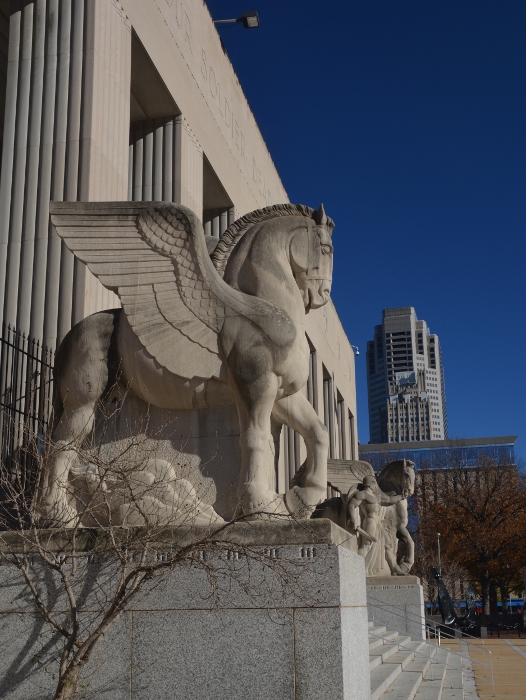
x=316, y=293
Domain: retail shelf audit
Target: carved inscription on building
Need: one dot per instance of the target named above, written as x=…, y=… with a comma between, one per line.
x=178, y=17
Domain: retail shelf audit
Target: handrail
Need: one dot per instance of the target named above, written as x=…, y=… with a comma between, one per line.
x=418, y=619
x=433, y=660
x=480, y=644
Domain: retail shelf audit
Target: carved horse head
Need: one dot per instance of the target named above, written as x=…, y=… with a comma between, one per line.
x=305, y=232
x=312, y=263
x=397, y=476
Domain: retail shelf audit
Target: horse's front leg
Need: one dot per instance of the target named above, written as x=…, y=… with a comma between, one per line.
x=402, y=533
x=256, y=491
x=409, y=555
x=296, y=412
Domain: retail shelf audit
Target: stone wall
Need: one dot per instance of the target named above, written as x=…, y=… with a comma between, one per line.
x=285, y=618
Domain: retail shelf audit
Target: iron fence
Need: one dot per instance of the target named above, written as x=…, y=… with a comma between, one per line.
x=26, y=396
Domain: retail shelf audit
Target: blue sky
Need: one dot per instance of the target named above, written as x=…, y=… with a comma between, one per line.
x=407, y=119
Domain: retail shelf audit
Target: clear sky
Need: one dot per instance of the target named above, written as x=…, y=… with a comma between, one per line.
x=407, y=119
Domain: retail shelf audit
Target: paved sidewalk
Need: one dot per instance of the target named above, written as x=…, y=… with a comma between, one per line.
x=509, y=668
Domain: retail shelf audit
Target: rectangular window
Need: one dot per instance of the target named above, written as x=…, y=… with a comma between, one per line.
x=340, y=419
x=312, y=381
x=352, y=434
x=328, y=409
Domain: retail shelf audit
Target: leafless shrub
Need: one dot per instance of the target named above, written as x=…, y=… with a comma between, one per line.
x=114, y=541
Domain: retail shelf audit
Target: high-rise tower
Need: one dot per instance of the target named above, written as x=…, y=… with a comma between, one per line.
x=405, y=380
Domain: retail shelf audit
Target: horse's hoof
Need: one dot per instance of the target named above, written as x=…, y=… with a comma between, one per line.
x=302, y=501
x=55, y=516
x=268, y=508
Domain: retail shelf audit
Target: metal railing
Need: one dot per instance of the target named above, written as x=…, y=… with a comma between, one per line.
x=438, y=633
x=26, y=396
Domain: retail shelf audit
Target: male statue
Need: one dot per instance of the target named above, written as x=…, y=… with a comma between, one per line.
x=368, y=500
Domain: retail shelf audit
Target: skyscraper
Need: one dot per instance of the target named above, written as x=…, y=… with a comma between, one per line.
x=405, y=380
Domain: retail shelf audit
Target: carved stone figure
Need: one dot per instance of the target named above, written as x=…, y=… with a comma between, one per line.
x=374, y=509
x=153, y=493
x=197, y=331
x=397, y=477
x=363, y=507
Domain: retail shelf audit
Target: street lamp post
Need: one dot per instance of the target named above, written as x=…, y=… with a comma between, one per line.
x=250, y=20
x=439, y=564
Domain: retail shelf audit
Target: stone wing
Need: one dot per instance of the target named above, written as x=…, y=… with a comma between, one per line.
x=154, y=256
x=342, y=474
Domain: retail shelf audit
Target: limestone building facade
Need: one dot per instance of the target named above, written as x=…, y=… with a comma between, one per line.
x=405, y=380
x=134, y=99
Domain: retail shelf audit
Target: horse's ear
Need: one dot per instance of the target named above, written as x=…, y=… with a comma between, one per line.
x=320, y=217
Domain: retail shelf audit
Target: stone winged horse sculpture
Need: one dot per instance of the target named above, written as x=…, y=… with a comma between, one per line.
x=196, y=331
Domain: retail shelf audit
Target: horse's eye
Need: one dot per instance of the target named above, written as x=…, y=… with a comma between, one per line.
x=326, y=249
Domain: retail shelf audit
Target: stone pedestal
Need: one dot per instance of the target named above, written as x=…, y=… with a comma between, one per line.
x=397, y=602
x=279, y=614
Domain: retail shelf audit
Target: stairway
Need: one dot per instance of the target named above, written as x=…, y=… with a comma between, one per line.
x=405, y=669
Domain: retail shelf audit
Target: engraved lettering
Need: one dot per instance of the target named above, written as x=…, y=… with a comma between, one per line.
x=188, y=32
x=219, y=100
x=212, y=82
x=236, y=133
x=204, y=72
x=179, y=13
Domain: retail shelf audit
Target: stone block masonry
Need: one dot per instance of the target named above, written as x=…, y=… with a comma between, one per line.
x=398, y=603
x=281, y=613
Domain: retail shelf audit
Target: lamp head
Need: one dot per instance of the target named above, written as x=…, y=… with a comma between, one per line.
x=250, y=19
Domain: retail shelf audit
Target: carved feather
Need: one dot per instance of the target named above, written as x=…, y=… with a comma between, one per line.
x=361, y=469
x=154, y=256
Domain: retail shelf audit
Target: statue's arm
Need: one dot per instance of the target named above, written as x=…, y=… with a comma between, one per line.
x=386, y=500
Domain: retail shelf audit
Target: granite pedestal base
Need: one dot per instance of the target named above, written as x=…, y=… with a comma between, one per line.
x=279, y=614
x=397, y=602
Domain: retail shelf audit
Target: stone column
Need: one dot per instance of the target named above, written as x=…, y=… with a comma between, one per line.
x=104, y=144
x=152, y=158
x=188, y=167
x=65, y=138
x=43, y=229
x=8, y=149
x=15, y=154
x=168, y=160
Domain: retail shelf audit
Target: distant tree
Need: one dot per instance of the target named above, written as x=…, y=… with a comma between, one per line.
x=480, y=512
x=426, y=559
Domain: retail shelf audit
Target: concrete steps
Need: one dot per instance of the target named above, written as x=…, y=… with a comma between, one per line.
x=405, y=669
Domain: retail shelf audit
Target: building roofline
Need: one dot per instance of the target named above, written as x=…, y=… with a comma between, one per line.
x=434, y=444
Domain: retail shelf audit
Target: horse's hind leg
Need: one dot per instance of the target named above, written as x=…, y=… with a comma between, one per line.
x=296, y=412
x=81, y=376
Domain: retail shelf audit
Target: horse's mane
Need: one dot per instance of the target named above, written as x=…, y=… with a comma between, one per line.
x=392, y=471
x=237, y=230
